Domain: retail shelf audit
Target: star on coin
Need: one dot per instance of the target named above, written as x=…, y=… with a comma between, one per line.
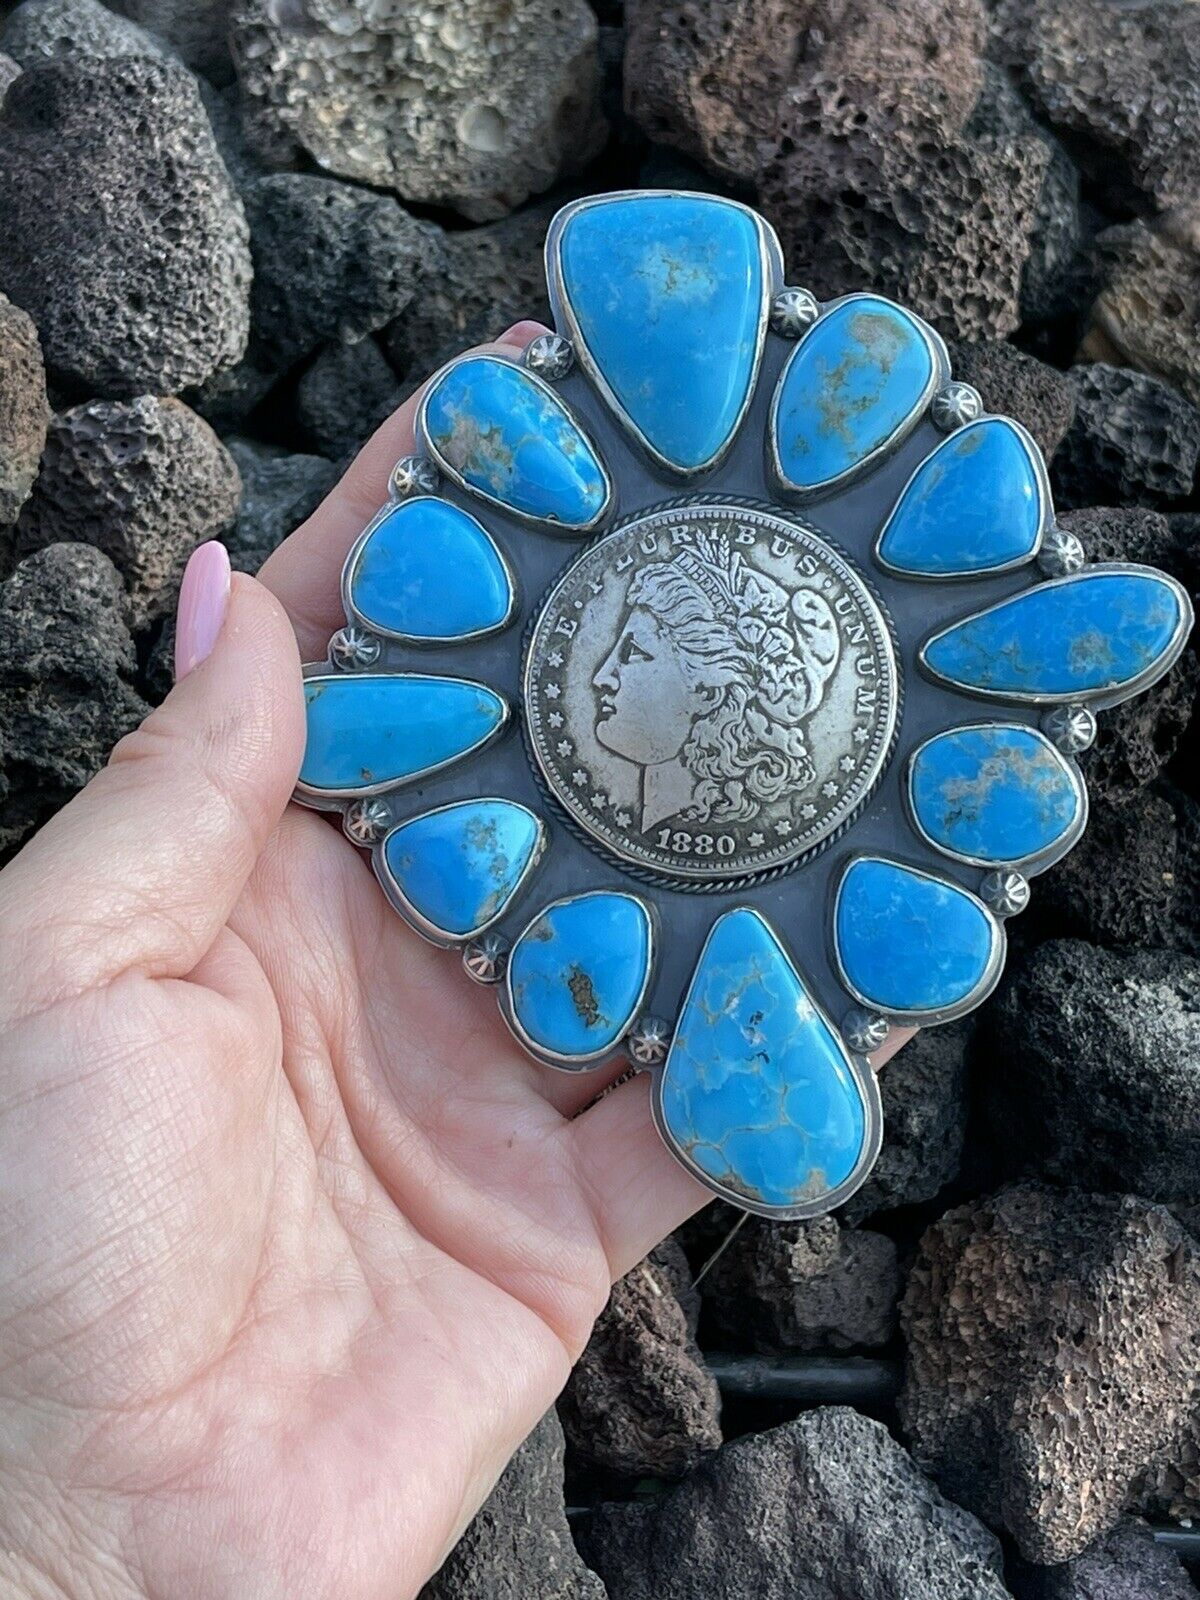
x=861, y=735
x=552, y=691
x=555, y=719
x=808, y=811
x=555, y=658
x=622, y=819
x=829, y=788
x=599, y=801
x=579, y=778
x=755, y=841
x=564, y=747
x=847, y=763
x=783, y=827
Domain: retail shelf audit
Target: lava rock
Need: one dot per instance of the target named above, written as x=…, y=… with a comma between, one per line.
x=198, y=31
x=877, y=192
x=1052, y=1343
x=124, y=239
x=828, y=1507
x=1147, y=314
x=1092, y=1069
x=473, y=104
x=519, y=1546
x=474, y=284
x=9, y=73
x=144, y=480
x=640, y=1401
x=24, y=412
x=47, y=30
x=924, y=1094
x=330, y=262
x=783, y=1286
x=67, y=663
x=1014, y=384
x=1121, y=81
x=1126, y=1564
x=1134, y=440
x=279, y=490
x=343, y=397
x=700, y=74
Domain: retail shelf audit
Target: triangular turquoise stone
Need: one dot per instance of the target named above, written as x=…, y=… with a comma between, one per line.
x=669, y=298
x=975, y=504
x=457, y=868
x=758, y=1093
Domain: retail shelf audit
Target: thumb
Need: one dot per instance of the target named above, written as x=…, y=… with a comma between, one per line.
x=143, y=867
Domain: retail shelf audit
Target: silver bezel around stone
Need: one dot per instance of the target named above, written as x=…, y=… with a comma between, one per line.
x=792, y=311
x=1005, y=891
x=550, y=356
x=1070, y=728
x=649, y=1041
x=352, y=649
x=954, y=405
x=865, y=1031
x=1061, y=553
x=366, y=821
x=486, y=958
x=413, y=475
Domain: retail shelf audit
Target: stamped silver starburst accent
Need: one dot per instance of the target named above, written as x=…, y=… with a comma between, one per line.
x=367, y=820
x=485, y=958
x=1071, y=729
x=864, y=1031
x=550, y=356
x=649, y=1041
x=1061, y=553
x=1006, y=891
x=955, y=405
x=353, y=648
x=413, y=475
x=793, y=310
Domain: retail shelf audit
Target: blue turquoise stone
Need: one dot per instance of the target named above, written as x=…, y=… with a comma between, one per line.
x=429, y=571
x=758, y=1092
x=1001, y=794
x=909, y=942
x=853, y=382
x=367, y=730
x=668, y=294
x=577, y=973
x=974, y=504
x=513, y=440
x=458, y=868
x=1093, y=633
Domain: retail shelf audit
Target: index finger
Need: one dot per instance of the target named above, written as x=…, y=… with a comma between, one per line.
x=305, y=572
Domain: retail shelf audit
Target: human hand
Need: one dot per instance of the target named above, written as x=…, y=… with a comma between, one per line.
x=295, y=1244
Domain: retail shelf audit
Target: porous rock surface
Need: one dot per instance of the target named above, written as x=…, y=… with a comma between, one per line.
x=279, y=490
x=1014, y=384
x=198, y=30
x=1147, y=314
x=1134, y=439
x=1125, y=1564
x=804, y=1286
x=1093, y=1068
x=473, y=104
x=42, y=30
x=123, y=237
x=828, y=1507
x=67, y=665
x=9, y=72
x=24, y=411
x=519, y=1546
x=144, y=480
x=1052, y=1341
x=640, y=1401
x=343, y=396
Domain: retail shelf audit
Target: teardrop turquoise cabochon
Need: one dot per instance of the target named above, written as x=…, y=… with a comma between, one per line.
x=668, y=294
x=456, y=869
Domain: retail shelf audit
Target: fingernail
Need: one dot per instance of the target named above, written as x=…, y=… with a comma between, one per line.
x=203, y=601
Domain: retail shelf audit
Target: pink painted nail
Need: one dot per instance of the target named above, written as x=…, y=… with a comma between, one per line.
x=203, y=601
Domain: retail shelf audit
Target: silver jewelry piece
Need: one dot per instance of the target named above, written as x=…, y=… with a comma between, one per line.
x=550, y=356
x=366, y=821
x=1071, y=728
x=485, y=958
x=1005, y=891
x=865, y=1031
x=1061, y=553
x=649, y=1041
x=353, y=649
x=792, y=311
x=955, y=405
x=414, y=475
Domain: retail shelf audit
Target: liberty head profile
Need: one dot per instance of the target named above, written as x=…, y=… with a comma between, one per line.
x=716, y=667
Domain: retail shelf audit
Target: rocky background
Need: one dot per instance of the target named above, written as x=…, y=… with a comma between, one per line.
x=235, y=233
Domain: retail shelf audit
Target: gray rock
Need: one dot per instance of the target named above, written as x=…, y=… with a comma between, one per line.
x=474, y=284
x=828, y=1507
x=519, y=1546
x=924, y=1093
x=9, y=73
x=279, y=490
x=474, y=104
x=1092, y=1072
x=198, y=30
x=1052, y=1344
x=640, y=1401
x=145, y=481
x=783, y=1286
x=343, y=397
x=1134, y=441
x=1014, y=384
x=709, y=76
x=1147, y=314
x=124, y=239
x=330, y=262
x=1126, y=1564
x=67, y=663
x=24, y=411
x=48, y=30
x=875, y=190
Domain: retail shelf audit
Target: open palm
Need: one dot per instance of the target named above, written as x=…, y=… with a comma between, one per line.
x=295, y=1245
